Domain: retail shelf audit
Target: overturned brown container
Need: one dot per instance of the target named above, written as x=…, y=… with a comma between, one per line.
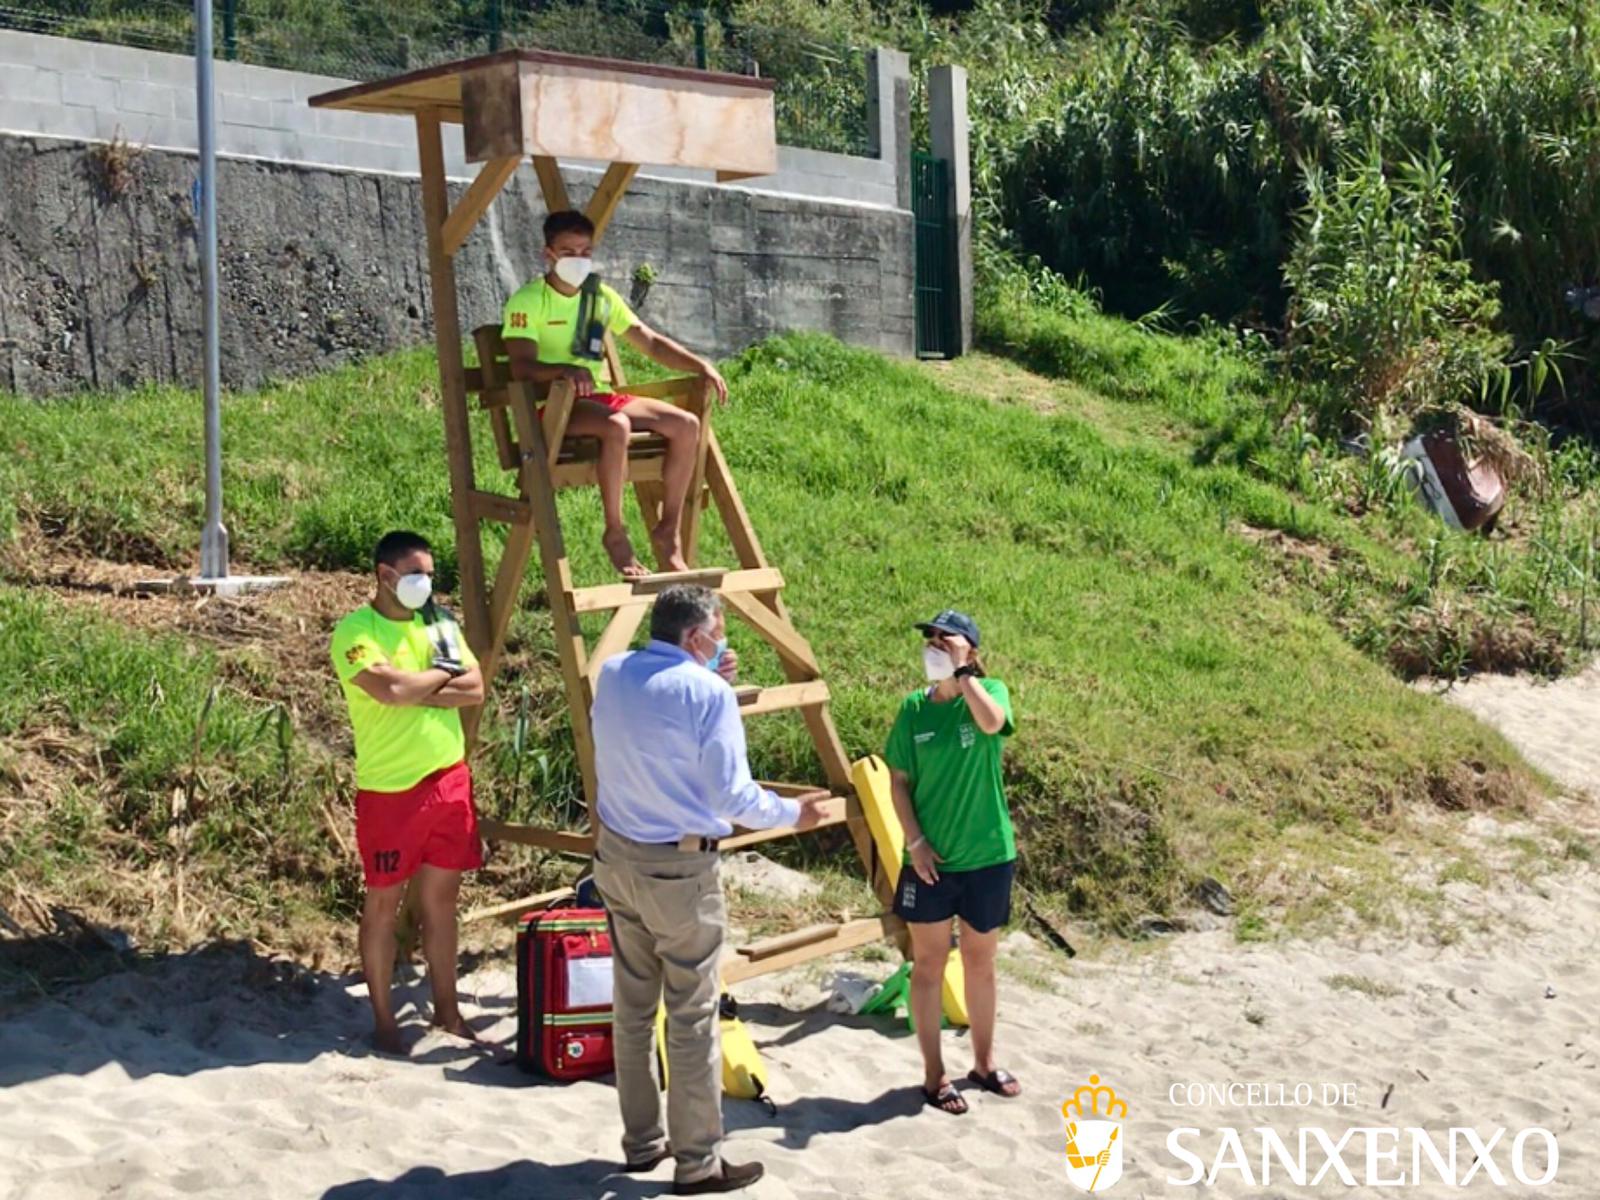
x=1467, y=493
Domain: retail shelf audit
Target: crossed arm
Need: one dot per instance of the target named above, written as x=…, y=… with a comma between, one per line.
x=432, y=688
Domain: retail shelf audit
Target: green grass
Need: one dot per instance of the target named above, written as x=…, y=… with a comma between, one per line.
x=1395, y=581
x=1183, y=709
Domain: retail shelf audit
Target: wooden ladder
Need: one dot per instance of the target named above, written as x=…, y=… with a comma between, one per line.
x=532, y=443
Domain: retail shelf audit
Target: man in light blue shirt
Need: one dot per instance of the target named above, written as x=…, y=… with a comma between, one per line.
x=673, y=778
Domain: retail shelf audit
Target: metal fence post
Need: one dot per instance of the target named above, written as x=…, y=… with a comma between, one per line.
x=699, y=18
x=494, y=25
x=230, y=39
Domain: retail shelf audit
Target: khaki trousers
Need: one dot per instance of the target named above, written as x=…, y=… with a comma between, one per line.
x=667, y=922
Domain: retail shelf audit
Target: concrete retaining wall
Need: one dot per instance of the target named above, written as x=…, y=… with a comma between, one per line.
x=64, y=88
x=322, y=251
x=322, y=266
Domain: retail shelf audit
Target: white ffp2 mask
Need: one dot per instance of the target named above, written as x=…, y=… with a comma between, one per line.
x=937, y=664
x=413, y=590
x=573, y=271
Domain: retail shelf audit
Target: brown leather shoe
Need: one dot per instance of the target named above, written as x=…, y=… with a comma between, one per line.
x=731, y=1179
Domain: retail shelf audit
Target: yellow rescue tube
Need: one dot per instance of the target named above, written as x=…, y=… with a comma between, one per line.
x=743, y=1075
x=871, y=777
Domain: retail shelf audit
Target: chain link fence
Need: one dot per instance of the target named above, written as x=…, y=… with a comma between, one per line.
x=821, y=87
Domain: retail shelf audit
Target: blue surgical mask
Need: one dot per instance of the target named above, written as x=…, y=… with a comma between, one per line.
x=716, y=659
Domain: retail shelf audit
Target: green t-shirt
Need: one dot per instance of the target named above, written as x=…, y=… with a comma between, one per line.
x=536, y=310
x=954, y=769
x=397, y=744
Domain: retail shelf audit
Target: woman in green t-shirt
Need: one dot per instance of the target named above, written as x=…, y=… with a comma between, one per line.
x=944, y=761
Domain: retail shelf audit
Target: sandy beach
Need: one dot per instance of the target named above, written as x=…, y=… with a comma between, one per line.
x=221, y=1074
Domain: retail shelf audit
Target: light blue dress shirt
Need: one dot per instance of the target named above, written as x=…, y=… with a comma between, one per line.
x=669, y=751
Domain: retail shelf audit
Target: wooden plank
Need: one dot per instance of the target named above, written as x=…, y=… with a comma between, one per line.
x=442, y=80
x=489, y=506
x=540, y=492
x=452, y=381
x=788, y=789
x=747, y=548
x=783, y=698
x=534, y=835
x=741, y=532
x=616, y=637
x=493, y=370
x=608, y=596
x=491, y=111
x=697, y=402
x=557, y=416
x=641, y=445
x=608, y=194
x=505, y=444
x=809, y=935
x=849, y=936
x=494, y=374
x=836, y=814
x=551, y=184
x=585, y=474
x=480, y=193
x=666, y=389
x=620, y=116
x=778, y=633
x=619, y=379
x=515, y=908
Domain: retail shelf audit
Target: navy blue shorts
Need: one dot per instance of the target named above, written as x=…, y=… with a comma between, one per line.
x=981, y=898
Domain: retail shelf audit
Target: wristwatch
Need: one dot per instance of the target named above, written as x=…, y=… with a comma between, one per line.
x=966, y=670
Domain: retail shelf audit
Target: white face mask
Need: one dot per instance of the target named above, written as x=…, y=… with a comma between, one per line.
x=573, y=271
x=937, y=664
x=413, y=590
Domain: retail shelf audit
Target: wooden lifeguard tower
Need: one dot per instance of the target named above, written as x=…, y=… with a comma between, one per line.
x=529, y=104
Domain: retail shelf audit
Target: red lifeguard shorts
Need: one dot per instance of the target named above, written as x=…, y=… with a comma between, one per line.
x=432, y=822
x=613, y=401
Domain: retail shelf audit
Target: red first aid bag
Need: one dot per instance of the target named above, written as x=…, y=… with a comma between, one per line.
x=564, y=993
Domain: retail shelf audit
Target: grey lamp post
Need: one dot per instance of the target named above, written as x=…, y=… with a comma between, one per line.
x=214, y=535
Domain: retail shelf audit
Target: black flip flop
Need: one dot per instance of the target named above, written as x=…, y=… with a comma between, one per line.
x=943, y=1097
x=995, y=1081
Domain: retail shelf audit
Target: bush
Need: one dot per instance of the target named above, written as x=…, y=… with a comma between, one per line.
x=1385, y=311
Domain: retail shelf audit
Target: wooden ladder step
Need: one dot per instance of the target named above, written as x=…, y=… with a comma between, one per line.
x=490, y=506
x=609, y=596
x=836, y=811
x=774, y=954
x=753, y=701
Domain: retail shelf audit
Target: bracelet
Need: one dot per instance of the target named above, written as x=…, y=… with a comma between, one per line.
x=921, y=840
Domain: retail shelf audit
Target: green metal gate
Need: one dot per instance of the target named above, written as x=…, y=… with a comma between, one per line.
x=936, y=289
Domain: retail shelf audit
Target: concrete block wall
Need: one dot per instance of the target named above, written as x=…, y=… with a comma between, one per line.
x=59, y=87
x=321, y=267
x=322, y=250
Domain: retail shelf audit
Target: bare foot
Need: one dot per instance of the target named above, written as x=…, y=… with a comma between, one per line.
x=620, y=550
x=386, y=1039
x=456, y=1026
x=666, y=541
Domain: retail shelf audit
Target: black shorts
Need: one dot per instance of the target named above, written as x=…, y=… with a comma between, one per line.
x=981, y=898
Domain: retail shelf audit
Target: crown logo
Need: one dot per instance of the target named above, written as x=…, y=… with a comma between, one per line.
x=1094, y=1102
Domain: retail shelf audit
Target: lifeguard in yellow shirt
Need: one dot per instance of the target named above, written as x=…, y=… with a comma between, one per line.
x=543, y=340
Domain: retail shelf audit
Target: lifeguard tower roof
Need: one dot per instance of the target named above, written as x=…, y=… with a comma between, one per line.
x=537, y=103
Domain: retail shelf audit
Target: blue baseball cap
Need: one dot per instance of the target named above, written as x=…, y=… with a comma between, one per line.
x=951, y=621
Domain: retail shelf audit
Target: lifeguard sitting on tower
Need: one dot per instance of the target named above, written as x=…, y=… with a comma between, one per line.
x=554, y=329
